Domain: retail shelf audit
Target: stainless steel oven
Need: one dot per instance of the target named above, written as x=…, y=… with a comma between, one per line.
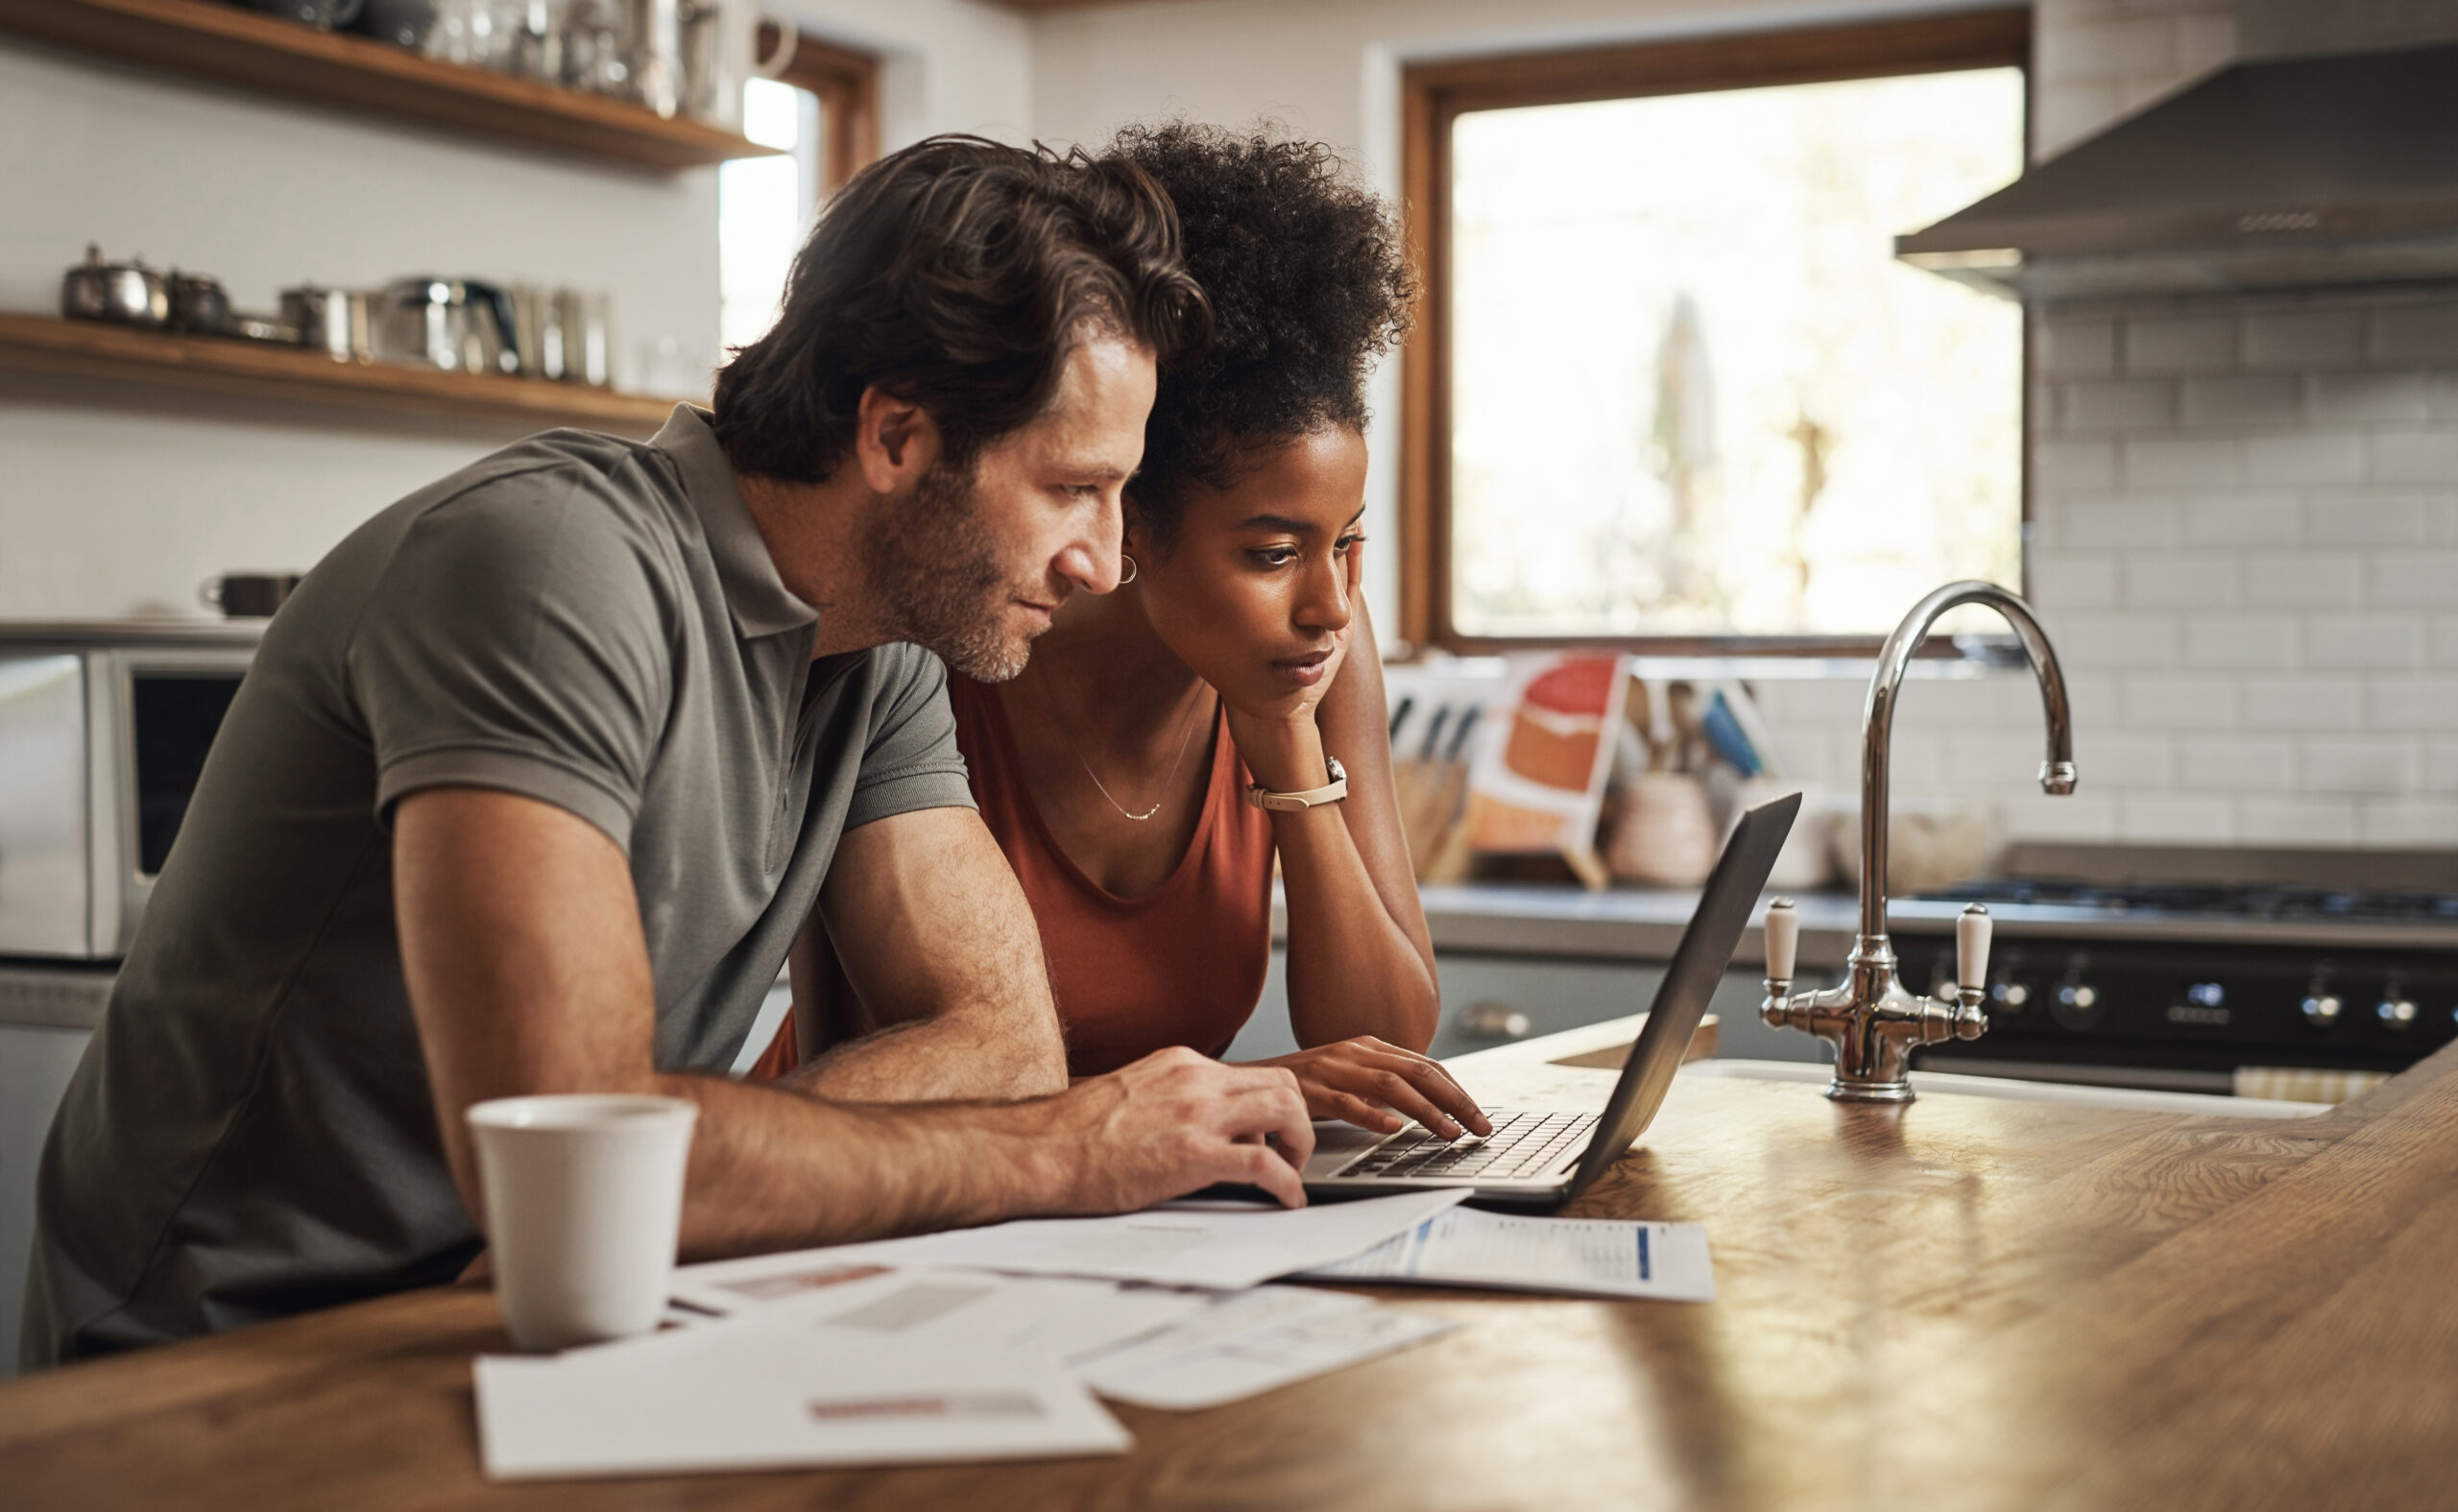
x=103, y=728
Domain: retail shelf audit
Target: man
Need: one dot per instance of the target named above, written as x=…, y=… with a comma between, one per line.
x=537, y=775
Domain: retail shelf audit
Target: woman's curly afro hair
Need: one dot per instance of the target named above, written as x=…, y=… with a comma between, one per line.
x=1308, y=282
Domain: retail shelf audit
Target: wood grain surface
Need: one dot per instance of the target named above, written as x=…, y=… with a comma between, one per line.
x=1962, y=1303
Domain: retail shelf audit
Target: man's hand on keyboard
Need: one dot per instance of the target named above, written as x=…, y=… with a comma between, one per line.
x=1373, y=1085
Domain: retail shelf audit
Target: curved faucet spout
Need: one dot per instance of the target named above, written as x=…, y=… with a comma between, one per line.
x=1877, y=720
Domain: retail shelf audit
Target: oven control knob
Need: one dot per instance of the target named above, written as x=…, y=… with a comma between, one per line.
x=2009, y=994
x=2397, y=1011
x=2076, y=1002
x=2320, y=1008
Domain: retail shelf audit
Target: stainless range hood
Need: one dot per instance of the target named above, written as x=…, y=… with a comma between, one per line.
x=2284, y=174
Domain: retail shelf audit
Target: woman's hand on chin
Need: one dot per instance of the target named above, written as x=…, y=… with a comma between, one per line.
x=1271, y=718
x=1372, y=1084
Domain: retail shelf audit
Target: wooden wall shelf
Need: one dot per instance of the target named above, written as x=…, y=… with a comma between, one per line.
x=258, y=51
x=301, y=380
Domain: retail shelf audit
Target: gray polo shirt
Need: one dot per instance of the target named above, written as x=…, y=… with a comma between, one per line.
x=588, y=621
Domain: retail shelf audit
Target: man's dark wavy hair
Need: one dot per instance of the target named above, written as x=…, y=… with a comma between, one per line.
x=1308, y=282
x=956, y=275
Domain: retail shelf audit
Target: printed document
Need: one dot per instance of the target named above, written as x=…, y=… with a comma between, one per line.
x=885, y=1378
x=1253, y=1342
x=1581, y=1257
x=1224, y=1246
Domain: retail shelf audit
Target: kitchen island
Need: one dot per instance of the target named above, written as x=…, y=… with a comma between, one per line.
x=1964, y=1302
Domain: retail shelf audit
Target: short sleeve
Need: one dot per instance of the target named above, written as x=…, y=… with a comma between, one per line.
x=517, y=640
x=910, y=761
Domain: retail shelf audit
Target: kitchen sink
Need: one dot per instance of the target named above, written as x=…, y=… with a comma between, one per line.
x=1928, y=1084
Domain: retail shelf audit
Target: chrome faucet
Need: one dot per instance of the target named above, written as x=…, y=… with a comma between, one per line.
x=1872, y=1022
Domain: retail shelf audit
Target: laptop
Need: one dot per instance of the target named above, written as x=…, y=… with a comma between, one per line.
x=1546, y=1159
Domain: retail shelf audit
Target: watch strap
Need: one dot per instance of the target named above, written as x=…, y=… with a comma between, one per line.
x=1331, y=792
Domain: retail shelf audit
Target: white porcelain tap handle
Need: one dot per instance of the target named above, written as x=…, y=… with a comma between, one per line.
x=1971, y=949
x=1783, y=940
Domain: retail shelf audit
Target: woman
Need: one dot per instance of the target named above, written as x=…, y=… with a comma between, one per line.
x=1115, y=771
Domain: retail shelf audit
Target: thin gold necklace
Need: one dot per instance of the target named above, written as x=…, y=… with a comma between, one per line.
x=1050, y=701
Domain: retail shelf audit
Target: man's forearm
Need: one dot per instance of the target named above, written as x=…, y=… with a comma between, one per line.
x=953, y=1056
x=773, y=1170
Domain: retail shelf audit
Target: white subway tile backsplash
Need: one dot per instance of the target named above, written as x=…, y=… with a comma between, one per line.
x=2321, y=701
x=2414, y=456
x=2091, y=405
x=2122, y=522
x=2358, y=397
x=2356, y=766
x=2180, y=818
x=2361, y=641
x=2261, y=399
x=2295, y=821
x=2245, y=539
x=2072, y=581
x=2441, y=641
x=2391, y=701
x=2115, y=759
x=2371, y=518
x=2407, y=823
x=2440, y=766
x=2177, y=701
x=2079, y=815
x=2072, y=347
x=2237, y=765
x=2303, y=580
x=2264, y=643
x=2243, y=519
x=2412, y=333
x=2282, y=459
x=2067, y=463
x=2180, y=344
x=2416, y=579
x=2304, y=338
x=2180, y=461
x=2181, y=579
x=2102, y=640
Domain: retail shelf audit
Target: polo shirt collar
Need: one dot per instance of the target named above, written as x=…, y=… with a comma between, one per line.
x=758, y=599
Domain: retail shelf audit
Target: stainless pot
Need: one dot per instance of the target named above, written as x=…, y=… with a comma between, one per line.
x=459, y=325
x=128, y=293
x=199, y=303
x=332, y=321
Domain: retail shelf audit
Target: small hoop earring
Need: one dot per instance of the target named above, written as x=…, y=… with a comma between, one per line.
x=1128, y=576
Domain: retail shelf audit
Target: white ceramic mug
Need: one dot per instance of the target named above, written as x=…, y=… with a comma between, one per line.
x=584, y=1198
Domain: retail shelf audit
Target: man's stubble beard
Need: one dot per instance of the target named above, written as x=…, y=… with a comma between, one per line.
x=934, y=569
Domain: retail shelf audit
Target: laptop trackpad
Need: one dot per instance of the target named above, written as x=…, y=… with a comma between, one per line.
x=1335, y=1144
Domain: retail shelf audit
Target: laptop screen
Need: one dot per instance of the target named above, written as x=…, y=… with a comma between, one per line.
x=1699, y=965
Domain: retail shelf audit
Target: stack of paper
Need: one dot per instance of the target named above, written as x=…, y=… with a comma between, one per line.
x=990, y=1343
x=1583, y=1256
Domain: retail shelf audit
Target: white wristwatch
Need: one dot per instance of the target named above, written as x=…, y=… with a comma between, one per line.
x=1331, y=792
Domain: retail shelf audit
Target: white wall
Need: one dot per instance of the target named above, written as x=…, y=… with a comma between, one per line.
x=116, y=501
x=946, y=66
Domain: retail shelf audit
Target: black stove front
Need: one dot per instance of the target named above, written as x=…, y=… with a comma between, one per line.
x=2128, y=1006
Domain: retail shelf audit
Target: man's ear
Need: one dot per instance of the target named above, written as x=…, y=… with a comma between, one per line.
x=895, y=442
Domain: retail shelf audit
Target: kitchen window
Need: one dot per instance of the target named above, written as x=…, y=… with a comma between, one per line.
x=821, y=111
x=1671, y=389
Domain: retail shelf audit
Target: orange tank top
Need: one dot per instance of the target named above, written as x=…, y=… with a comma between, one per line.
x=1182, y=965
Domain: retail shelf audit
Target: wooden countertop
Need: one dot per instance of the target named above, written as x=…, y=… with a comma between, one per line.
x=1966, y=1303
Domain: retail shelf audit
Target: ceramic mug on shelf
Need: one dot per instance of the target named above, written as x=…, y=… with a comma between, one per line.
x=246, y=595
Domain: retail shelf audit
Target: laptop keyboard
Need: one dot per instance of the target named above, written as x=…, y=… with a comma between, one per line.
x=1522, y=1144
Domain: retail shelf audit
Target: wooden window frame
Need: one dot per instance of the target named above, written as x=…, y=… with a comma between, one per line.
x=847, y=83
x=1435, y=94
